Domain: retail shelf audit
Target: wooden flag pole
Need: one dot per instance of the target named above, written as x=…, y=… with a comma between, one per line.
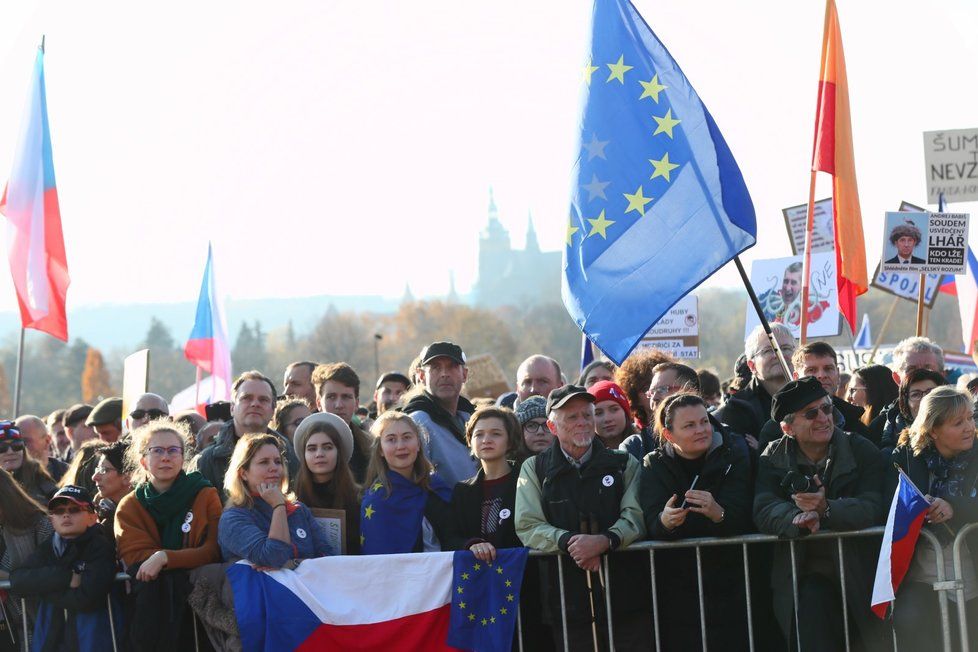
x=920, y=305
x=18, y=375
x=806, y=269
x=760, y=315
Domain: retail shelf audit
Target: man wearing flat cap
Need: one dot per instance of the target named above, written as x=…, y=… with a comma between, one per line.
x=74, y=424
x=580, y=498
x=442, y=411
x=106, y=419
x=818, y=477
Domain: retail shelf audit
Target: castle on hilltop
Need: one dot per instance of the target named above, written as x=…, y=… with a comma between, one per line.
x=514, y=277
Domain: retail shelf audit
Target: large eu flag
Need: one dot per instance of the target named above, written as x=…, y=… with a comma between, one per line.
x=659, y=203
x=485, y=600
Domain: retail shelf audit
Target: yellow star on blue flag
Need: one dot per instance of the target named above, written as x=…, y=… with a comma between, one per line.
x=486, y=619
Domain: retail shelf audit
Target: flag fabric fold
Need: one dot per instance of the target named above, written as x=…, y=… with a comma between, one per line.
x=906, y=517
x=833, y=153
x=420, y=601
x=659, y=203
x=38, y=262
x=207, y=347
x=864, y=339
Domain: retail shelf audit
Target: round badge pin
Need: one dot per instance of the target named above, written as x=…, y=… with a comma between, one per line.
x=185, y=528
x=300, y=533
x=189, y=518
x=607, y=481
x=504, y=514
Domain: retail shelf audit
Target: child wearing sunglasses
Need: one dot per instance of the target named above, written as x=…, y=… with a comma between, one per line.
x=70, y=574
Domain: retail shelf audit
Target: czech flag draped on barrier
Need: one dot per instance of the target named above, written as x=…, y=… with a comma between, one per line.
x=659, y=203
x=420, y=601
x=903, y=525
x=207, y=347
x=38, y=262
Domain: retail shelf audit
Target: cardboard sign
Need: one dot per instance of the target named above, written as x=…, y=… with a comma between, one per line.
x=777, y=282
x=906, y=286
x=486, y=378
x=677, y=332
x=951, y=164
x=823, y=227
x=923, y=243
x=334, y=522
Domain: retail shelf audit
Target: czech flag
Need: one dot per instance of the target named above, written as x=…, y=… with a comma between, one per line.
x=423, y=601
x=207, y=346
x=903, y=525
x=833, y=153
x=38, y=262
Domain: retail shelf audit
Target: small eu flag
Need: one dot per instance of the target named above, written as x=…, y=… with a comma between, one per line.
x=659, y=203
x=486, y=600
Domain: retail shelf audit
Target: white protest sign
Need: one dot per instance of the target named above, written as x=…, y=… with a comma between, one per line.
x=925, y=243
x=823, y=227
x=677, y=332
x=951, y=162
x=777, y=282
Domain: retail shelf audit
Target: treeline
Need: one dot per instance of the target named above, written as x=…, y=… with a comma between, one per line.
x=57, y=375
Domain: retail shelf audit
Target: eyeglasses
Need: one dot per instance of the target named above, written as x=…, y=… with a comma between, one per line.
x=767, y=352
x=661, y=390
x=170, y=451
x=103, y=470
x=533, y=427
x=915, y=395
x=74, y=510
x=811, y=414
x=853, y=390
x=15, y=447
x=152, y=413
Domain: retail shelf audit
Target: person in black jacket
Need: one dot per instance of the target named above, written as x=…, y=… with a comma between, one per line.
x=697, y=484
x=939, y=455
x=71, y=574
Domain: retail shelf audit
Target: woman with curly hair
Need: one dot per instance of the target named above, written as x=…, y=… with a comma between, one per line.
x=635, y=376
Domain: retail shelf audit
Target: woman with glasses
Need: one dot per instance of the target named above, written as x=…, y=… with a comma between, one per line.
x=532, y=416
x=112, y=481
x=35, y=480
x=164, y=528
x=289, y=413
x=915, y=386
x=696, y=483
x=872, y=388
x=263, y=523
x=938, y=454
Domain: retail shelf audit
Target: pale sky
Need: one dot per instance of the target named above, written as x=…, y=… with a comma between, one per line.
x=348, y=148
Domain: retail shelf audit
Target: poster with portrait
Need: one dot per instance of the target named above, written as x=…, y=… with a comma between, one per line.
x=334, y=522
x=925, y=243
x=777, y=282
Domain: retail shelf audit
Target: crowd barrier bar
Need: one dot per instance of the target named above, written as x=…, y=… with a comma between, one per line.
x=941, y=586
x=959, y=583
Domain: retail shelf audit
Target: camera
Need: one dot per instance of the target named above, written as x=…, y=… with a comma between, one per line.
x=796, y=482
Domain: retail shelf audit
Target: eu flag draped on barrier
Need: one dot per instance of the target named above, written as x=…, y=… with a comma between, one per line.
x=659, y=203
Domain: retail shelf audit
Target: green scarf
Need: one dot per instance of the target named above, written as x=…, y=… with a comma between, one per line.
x=169, y=509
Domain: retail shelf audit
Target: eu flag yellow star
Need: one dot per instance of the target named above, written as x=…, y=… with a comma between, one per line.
x=369, y=511
x=471, y=617
x=492, y=619
x=477, y=567
x=666, y=123
x=509, y=598
x=588, y=71
x=600, y=225
x=465, y=576
x=637, y=201
x=499, y=570
x=618, y=70
x=571, y=230
x=461, y=605
x=509, y=583
x=484, y=622
x=503, y=610
x=663, y=167
x=652, y=88
x=460, y=590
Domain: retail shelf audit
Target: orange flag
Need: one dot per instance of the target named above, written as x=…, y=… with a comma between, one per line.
x=833, y=154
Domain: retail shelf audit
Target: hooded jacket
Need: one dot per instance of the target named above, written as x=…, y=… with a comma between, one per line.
x=443, y=436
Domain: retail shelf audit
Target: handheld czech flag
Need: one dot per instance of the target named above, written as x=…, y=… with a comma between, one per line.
x=38, y=262
x=903, y=525
x=207, y=347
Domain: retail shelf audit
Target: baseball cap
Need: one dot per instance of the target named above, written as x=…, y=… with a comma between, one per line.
x=561, y=395
x=438, y=349
x=73, y=493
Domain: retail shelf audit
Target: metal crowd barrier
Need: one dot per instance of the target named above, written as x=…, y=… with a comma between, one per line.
x=942, y=586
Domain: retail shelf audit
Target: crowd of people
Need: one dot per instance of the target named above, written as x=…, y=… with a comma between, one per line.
x=583, y=466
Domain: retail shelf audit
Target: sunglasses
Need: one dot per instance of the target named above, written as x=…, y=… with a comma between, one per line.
x=74, y=510
x=15, y=447
x=811, y=414
x=151, y=413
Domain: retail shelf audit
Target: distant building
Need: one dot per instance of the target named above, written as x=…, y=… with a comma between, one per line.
x=514, y=277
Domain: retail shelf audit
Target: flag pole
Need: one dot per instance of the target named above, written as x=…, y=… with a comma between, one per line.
x=760, y=314
x=920, y=304
x=197, y=390
x=886, y=322
x=18, y=373
x=806, y=269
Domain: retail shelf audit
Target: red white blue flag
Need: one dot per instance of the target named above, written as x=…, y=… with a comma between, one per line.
x=207, y=347
x=38, y=262
x=903, y=525
x=439, y=601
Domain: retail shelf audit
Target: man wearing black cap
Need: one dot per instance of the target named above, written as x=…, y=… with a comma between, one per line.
x=390, y=388
x=442, y=411
x=76, y=429
x=581, y=498
x=819, y=477
x=106, y=419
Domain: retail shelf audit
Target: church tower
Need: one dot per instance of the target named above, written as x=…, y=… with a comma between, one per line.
x=532, y=245
x=494, y=248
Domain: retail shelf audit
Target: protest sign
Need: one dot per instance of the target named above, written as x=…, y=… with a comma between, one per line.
x=135, y=379
x=906, y=286
x=951, y=164
x=677, y=332
x=777, y=282
x=823, y=228
x=924, y=243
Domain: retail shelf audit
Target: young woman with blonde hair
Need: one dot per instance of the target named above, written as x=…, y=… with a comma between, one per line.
x=262, y=521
